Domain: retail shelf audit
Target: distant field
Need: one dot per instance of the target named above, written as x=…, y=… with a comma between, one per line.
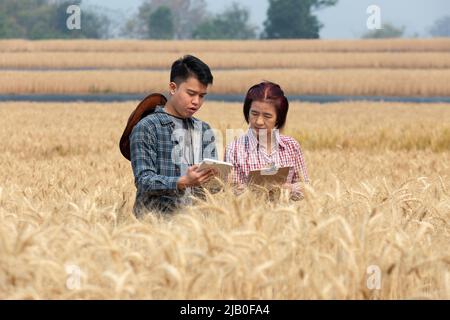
x=276, y=46
x=302, y=67
x=226, y=60
x=384, y=82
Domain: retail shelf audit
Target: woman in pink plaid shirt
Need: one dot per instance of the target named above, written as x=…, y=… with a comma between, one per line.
x=265, y=110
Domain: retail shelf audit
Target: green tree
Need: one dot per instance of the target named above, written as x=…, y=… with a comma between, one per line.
x=9, y=28
x=186, y=14
x=231, y=24
x=441, y=27
x=387, y=31
x=292, y=19
x=160, y=24
x=45, y=19
x=15, y=17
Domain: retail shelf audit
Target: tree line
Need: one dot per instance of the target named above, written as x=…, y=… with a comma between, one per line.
x=46, y=19
x=178, y=19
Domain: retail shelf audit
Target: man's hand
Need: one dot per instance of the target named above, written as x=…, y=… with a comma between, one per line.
x=194, y=178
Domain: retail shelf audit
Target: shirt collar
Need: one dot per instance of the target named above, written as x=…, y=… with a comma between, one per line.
x=253, y=140
x=165, y=119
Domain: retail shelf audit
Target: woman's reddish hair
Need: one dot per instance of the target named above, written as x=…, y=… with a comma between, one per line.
x=268, y=92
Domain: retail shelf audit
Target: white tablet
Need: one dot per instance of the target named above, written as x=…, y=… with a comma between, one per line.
x=222, y=168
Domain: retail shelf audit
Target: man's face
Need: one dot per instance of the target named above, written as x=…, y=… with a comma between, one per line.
x=188, y=97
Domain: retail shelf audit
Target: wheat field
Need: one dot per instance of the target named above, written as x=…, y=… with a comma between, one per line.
x=404, y=67
x=225, y=60
x=237, y=46
x=358, y=82
x=380, y=196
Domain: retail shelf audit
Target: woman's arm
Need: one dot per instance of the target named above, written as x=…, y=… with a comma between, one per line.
x=300, y=173
x=236, y=177
x=300, y=165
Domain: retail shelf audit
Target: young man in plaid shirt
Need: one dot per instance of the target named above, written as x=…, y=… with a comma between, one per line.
x=166, y=144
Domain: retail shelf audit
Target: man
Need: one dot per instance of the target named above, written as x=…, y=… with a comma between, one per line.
x=166, y=145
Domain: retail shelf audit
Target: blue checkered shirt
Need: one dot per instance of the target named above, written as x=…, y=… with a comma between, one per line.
x=156, y=175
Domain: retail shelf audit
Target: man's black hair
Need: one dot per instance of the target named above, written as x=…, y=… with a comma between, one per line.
x=190, y=66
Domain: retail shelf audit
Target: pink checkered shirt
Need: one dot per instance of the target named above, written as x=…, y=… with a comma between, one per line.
x=246, y=154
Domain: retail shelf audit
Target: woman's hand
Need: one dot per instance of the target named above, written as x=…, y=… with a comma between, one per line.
x=294, y=190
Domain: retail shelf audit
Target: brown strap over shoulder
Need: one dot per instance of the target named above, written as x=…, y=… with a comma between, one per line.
x=145, y=107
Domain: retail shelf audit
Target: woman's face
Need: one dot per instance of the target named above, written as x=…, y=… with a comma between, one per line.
x=262, y=116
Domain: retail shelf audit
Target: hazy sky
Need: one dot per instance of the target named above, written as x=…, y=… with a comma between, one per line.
x=345, y=20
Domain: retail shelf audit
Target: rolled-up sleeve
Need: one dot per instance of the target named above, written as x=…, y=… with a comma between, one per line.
x=236, y=176
x=143, y=147
x=300, y=165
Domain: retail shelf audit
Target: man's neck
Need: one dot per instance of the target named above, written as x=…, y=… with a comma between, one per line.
x=169, y=109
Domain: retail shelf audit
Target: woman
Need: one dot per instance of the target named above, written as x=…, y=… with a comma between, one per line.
x=265, y=110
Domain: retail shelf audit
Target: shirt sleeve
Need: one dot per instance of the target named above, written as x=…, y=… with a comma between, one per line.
x=300, y=165
x=143, y=144
x=299, y=171
x=230, y=152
